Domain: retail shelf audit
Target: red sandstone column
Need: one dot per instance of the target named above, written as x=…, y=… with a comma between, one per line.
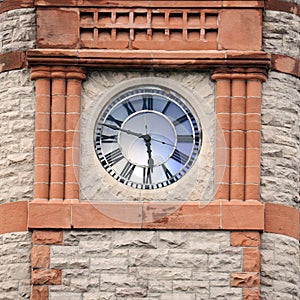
x=74, y=78
x=42, y=133
x=237, y=169
x=57, y=157
x=253, y=123
x=223, y=105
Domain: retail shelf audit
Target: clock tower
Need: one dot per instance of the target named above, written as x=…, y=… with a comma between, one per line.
x=150, y=149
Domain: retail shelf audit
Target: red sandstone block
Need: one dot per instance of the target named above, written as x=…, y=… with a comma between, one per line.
x=72, y=156
x=253, y=122
x=45, y=237
x=42, y=138
x=237, y=174
x=43, y=103
x=72, y=139
x=244, y=280
x=57, y=121
x=223, y=104
x=57, y=28
x=253, y=174
x=237, y=191
x=223, y=88
x=12, y=60
x=49, y=276
x=253, y=139
x=245, y=238
x=13, y=217
x=72, y=174
x=71, y=191
x=39, y=293
x=72, y=121
x=253, y=105
x=49, y=215
x=251, y=294
x=252, y=157
x=253, y=90
x=238, y=121
x=107, y=215
x=251, y=260
x=282, y=219
x=40, y=257
x=224, y=121
x=190, y=215
x=222, y=191
x=222, y=139
x=41, y=191
x=238, y=104
x=222, y=174
x=240, y=29
x=242, y=215
x=42, y=121
x=252, y=192
x=238, y=139
x=57, y=139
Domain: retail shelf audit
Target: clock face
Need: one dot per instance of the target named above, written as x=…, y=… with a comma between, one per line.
x=147, y=138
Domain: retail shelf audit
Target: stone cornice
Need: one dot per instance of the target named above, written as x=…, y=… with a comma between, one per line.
x=7, y=5
x=145, y=59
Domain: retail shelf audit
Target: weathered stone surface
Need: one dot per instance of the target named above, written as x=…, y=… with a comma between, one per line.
x=281, y=33
x=17, y=28
x=280, y=162
x=17, y=135
x=15, y=266
x=151, y=264
x=280, y=267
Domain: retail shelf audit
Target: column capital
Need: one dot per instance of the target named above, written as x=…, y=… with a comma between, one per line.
x=239, y=74
x=47, y=72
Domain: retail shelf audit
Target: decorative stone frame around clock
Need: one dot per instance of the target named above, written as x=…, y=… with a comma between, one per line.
x=97, y=186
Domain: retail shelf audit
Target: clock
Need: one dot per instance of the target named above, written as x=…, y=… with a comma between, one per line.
x=147, y=137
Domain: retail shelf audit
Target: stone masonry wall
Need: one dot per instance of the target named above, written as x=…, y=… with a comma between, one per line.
x=280, y=177
x=281, y=33
x=165, y=265
x=17, y=33
x=15, y=267
x=17, y=30
x=17, y=136
x=280, y=271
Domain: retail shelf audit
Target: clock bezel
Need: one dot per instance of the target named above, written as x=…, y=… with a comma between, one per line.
x=128, y=97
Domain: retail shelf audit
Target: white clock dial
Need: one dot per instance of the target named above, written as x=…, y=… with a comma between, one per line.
x=147, y=138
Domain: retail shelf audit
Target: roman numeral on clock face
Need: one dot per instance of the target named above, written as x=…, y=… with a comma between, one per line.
x=113, y=157
x=128, y=170
x=147, y=176
x=129, y=107
x=180, y=157
x=112, y=119
x=109, y=138
x=148, y=102
x=180, y=120
x=167, y=172
x=182, y=138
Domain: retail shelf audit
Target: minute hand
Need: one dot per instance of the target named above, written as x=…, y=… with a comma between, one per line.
x=133, y=133
x=121, y=129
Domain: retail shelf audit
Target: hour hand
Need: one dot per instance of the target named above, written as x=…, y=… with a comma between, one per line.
x=147, y=140
x=114, y=127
